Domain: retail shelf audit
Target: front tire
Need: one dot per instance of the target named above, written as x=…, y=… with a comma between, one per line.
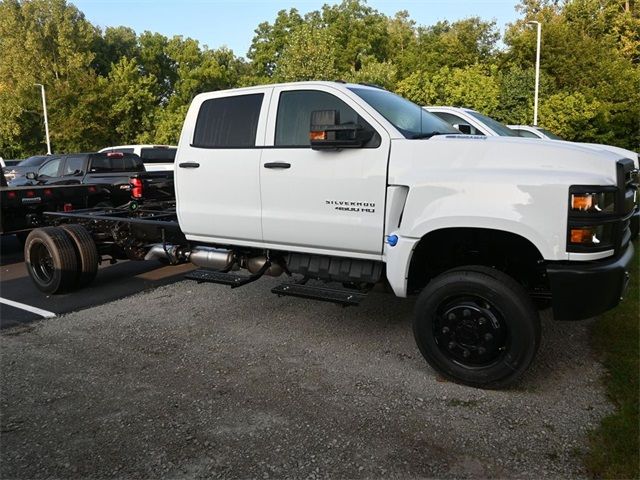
x=476, y=325
x=51, y=260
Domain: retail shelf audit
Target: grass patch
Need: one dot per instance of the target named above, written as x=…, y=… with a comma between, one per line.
x=614, y=450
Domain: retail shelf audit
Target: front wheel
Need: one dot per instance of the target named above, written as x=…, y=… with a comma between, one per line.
x=477, y=326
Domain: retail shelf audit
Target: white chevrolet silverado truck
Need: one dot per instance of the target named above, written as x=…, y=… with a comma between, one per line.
x=338, y=187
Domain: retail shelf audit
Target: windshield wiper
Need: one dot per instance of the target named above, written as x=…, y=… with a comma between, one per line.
x=432, y=134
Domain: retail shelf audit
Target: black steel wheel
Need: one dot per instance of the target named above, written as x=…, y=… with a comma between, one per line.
x=51, y=260
x=86, y=251
x=477, y=326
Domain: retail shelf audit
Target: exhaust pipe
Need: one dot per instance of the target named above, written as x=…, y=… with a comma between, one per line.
x=214, y=258
x=205, y=257
x=158, y=252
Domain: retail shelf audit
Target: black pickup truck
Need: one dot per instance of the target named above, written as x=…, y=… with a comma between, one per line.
x=22, y=208
x=111, y=172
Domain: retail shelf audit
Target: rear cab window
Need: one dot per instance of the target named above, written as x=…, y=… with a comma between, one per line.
x=158, y=154
x=228, y=122
x=119, y=162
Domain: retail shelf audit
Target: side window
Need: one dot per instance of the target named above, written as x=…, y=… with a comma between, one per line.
x=73, y=166
x=50, y=169
x=456, y=120
x=101, y=163
x=526, y=134
x=294, y=116
x=229, y=122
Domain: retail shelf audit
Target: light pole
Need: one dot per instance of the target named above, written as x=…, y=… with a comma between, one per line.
x=46, y=121
x=535, y=100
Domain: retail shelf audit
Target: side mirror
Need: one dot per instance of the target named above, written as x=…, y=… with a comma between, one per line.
x=77, y=173
x=463, y=127
x=326, y=133
x=31, y=175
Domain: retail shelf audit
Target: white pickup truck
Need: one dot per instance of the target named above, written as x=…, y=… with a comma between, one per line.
x=350, y=185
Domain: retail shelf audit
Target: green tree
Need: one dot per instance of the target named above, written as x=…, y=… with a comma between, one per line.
x=112, y=46
x=270, y=41
x=359, y=32
x=132, y=101
x=310, y=55
x=48, y=42
x=470, y=87
x=573, y=116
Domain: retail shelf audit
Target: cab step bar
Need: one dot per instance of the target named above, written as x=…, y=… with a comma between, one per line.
x=333, y=295
x=204, y=275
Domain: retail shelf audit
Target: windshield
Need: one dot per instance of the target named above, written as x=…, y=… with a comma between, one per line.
x=549, y=134
x=34, y=161
x=500, y=128
x=410, y=119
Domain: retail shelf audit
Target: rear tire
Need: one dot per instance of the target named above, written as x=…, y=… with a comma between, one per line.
x=86, y=251
x=477, y=326
x=51, y=260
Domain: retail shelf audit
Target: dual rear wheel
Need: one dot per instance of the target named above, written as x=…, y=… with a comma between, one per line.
x=61, y=259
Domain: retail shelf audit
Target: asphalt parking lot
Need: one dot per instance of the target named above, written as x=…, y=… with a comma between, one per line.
x=21, y=302
x=195, y=380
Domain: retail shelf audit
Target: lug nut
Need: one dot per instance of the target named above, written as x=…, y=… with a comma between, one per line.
x=482, y=350
x=452, y=316
x=451, y=345
x=466, y=353
x=466, y=313
x=488, y=337
x=445, y=330
x=482, y=321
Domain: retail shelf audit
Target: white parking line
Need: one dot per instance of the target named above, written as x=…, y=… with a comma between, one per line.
x=28, y=308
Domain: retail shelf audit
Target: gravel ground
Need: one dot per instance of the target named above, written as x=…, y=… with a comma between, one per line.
x=193, y=381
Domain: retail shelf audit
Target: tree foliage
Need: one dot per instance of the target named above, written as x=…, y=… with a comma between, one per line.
x=118, y=86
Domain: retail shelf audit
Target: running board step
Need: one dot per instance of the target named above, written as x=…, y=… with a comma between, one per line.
x=342, y=297
x=211, y=276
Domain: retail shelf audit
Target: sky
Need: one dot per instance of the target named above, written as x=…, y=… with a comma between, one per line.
x=232, y=23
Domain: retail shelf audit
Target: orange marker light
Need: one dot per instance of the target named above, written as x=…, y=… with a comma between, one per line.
x=318, y=135
x=582, y=235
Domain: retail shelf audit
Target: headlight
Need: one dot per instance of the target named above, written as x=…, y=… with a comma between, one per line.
x=593, y=219
x=596, y=202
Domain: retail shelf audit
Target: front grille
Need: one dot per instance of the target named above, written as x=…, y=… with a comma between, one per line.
x=627, y=183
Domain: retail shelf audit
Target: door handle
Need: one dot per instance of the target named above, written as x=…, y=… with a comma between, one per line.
x=188, y=165
x=277, y=165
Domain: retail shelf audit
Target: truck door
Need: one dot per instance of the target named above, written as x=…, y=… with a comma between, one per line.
x=324, y=199
x=217, y=165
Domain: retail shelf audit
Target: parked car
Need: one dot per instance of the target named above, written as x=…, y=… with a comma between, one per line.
x=16, y=173
x=155, y=157
x=471, y=122
x=483, y=125
x=353, y=185
x=110, y=171
x=530, y=131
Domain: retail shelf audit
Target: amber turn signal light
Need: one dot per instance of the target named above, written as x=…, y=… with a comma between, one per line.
x=582, y=235
x=318, y=135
